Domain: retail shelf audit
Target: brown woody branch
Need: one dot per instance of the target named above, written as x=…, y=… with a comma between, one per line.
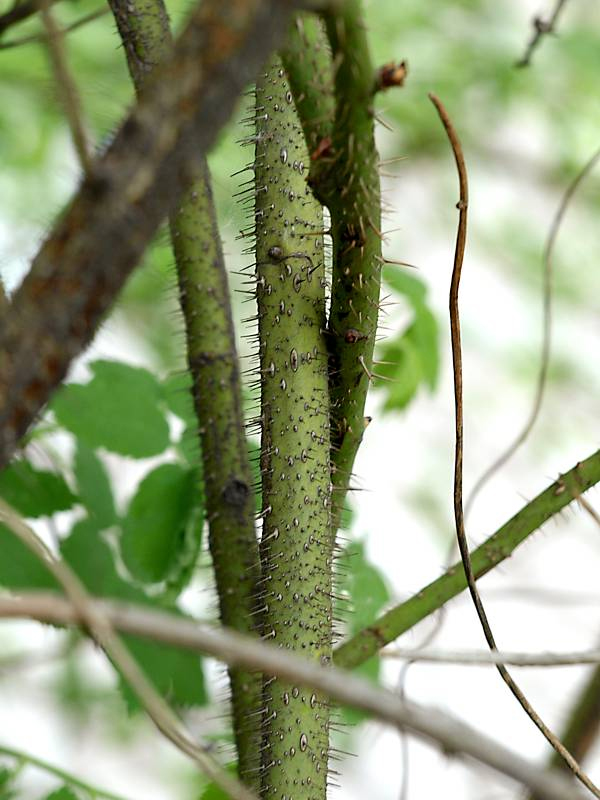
x=85, y=261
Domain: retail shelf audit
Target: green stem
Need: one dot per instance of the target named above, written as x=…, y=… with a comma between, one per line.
x=349, y=186
x=494, y=550
x=307, y=61
x=213, y=364
x=65, y=776
x=296, y=548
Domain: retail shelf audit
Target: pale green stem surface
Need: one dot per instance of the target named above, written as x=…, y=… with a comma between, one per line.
x=494, y=550
x=296, y=547
x=213, y=364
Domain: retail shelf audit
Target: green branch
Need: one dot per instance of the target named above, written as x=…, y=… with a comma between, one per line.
x=494, y=550
x=65, y=776
x=349, y=185
x=213, y=364
x=296, y=546
x=307, y=61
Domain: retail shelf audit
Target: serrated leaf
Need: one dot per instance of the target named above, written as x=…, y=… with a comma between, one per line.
x=95, y=492
x=177, y=674
x=64, y=793
x=19, y=568
x=7, y=777
x=153, y=529
x=119, y=409
x=34, y=492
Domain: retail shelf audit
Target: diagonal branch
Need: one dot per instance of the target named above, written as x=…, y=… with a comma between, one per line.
x=85, y=261
x=236, y=649
x=488, y=555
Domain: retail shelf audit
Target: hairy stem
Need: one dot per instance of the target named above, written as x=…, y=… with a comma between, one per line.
x=296, y=547
x=497, y=548
x=213, y=364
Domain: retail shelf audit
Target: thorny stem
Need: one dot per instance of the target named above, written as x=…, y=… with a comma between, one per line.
x=213, y=364
x=296, y=545
x=349, y=186
x=488, y=555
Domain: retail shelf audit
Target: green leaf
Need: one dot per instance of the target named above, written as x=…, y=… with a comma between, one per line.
x=34, y=492
x=19, y=568
x=176, y=673
x=7, y=778
x=94, y=486
x=405, y=284
x=423, y=333
x=119, y=409
x=154, y=527
x=402, y=367
x=367, y=593
x=365, y=586
x=91, y=558
x=177, y=391
x=213, y=792
x=64, y=793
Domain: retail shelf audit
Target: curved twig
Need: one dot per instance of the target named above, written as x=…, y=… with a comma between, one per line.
x=463, y=545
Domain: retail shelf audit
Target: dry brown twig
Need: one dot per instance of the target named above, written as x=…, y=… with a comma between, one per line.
x=541, y=28
x=36, y=38
x=459, y=253
x=101, y=629
x=66, y=86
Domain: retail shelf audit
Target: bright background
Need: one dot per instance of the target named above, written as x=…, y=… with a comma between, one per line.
x=525, y=134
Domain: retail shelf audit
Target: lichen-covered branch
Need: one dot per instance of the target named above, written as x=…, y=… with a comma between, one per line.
x=296, y=546
x=100, y=238
x=213, y=364
x=497, y=548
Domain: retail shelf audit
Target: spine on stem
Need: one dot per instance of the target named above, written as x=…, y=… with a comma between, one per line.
x=296, y=546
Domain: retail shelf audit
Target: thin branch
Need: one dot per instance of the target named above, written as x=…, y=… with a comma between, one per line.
x=485, y=657
x=51, y=769
x=547, y=262
x=541, y=28
x=102, y=631
x=463, y=545
x=100, y=238
x=18, y=13
x=36, y=38
x=67, y=88
x=488, y=555
x=236, y=649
